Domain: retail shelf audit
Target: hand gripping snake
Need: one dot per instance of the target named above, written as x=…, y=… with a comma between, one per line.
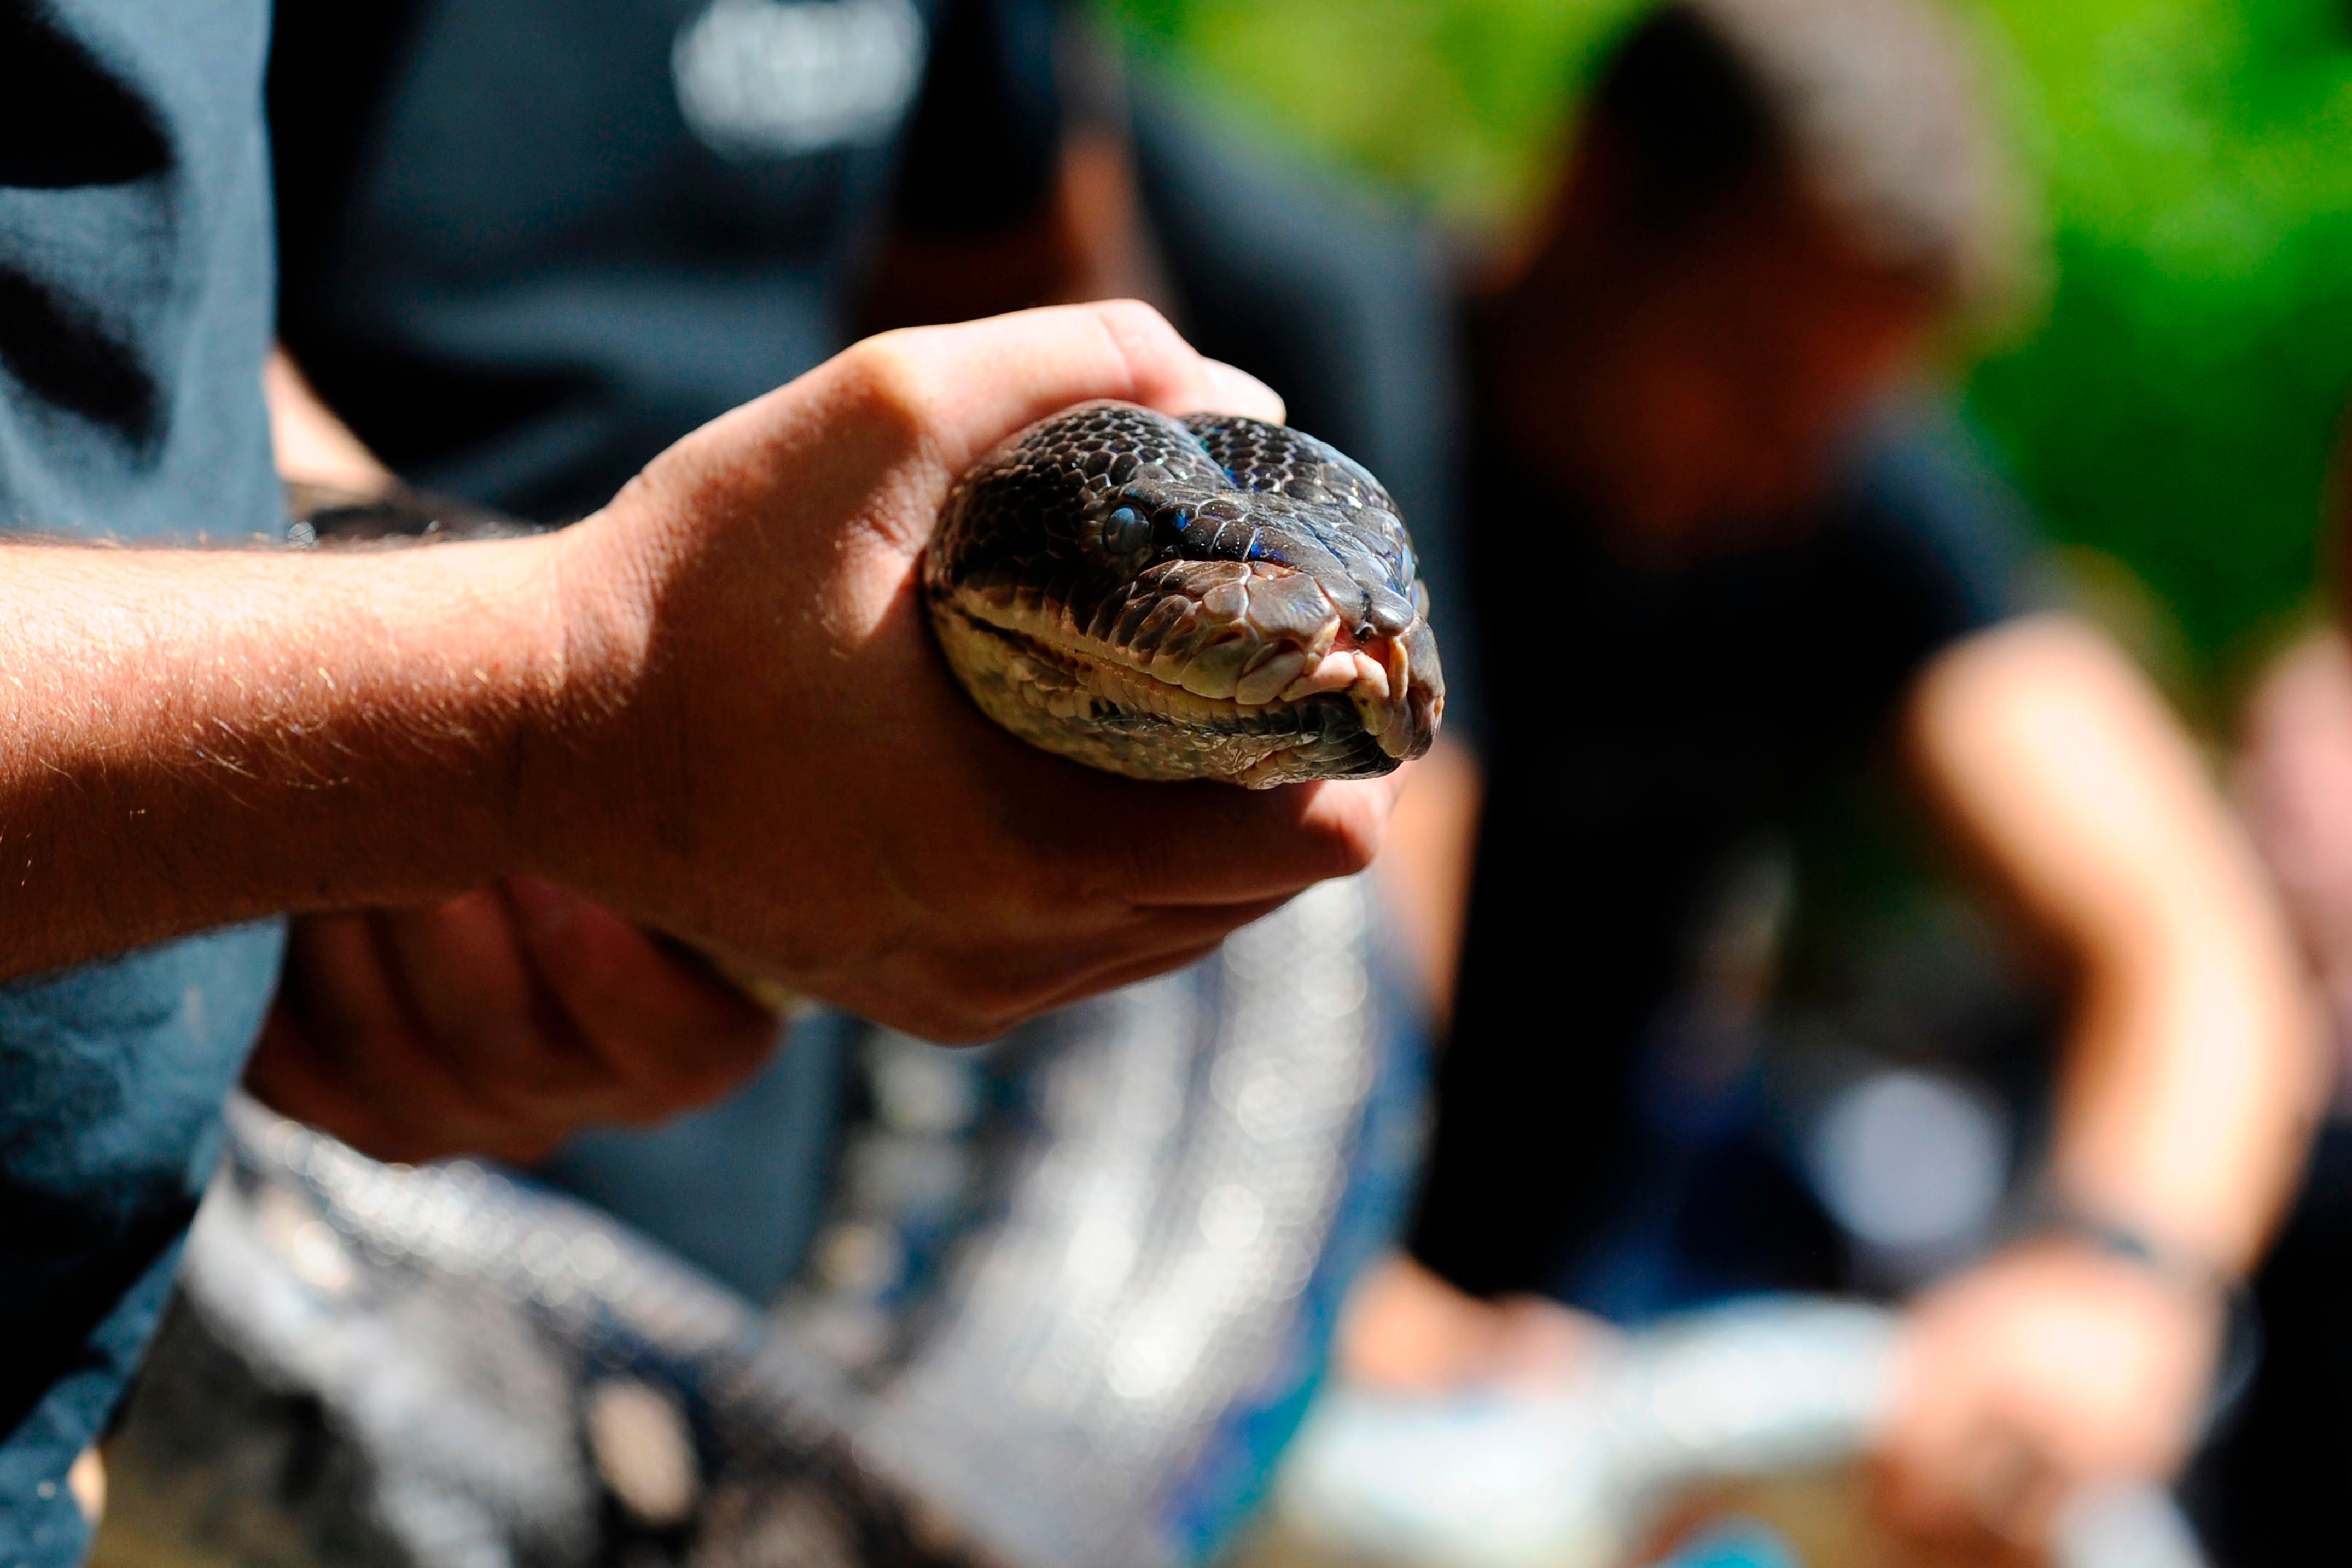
x=1207, y=597
x=1212, y=597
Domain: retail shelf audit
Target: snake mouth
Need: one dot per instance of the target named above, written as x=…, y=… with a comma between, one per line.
x=1206, y=674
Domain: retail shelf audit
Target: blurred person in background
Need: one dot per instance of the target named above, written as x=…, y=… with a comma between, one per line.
x=1717, y=566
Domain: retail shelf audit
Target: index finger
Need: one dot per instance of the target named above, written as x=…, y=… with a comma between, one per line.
x=973, y=384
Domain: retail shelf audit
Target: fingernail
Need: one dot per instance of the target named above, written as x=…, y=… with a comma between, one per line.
x=543, y=908
x=1241, y=392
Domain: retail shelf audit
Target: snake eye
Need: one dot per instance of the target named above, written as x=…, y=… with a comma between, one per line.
x=1124, y=531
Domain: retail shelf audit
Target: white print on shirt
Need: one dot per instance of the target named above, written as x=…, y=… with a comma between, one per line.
x=769, y=78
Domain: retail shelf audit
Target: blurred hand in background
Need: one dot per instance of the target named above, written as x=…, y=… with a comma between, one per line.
x=2049, y=1366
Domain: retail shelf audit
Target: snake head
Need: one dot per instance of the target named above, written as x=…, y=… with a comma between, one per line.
x=1217, y=597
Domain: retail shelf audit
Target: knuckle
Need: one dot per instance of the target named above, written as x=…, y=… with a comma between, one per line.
x=1150, y=348
x=886, y=379
x=1349, y=836
x=1137, y=325
x=642, y=1108
x=970, y=1029
x=944, y=1022
x=521, y=1096
x=523, y=1146
x=1355, y=843
x=1112, y=863
x=985, y=1015
x=1116, y=876
x=689, y=1092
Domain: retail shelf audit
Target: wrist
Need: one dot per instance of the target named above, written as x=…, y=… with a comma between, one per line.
x=448, y=662
x=578, y=648
x=2050, y=1216
x=581, y=776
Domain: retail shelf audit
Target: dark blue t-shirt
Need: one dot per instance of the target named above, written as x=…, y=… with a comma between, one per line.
x=1644, y=724
x=134, y=313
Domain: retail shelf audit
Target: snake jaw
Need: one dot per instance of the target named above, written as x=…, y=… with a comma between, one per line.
x=1185, y=682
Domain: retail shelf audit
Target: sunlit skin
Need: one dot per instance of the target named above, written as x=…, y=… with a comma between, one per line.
x=1692, y=389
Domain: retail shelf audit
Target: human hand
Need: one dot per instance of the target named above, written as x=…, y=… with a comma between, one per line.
x=767, y=756
x=495, y=1023
x=1408, y=1330
x=312, y=445
x=2050, y=1365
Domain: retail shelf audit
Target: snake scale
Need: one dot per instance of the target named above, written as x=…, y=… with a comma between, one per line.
x=1212, y=597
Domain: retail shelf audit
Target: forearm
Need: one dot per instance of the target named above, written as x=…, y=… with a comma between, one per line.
x=2192, y=1069
x=194, y=737
x=2192, y=1076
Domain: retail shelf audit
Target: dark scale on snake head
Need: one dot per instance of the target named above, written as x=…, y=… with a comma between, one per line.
x=1214, y=597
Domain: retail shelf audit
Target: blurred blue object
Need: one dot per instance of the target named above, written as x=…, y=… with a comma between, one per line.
x=1740, y=1543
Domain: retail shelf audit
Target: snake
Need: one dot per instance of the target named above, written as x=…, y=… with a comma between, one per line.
x=1211, y=597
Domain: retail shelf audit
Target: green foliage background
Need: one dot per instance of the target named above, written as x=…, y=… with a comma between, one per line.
x=2174, y=402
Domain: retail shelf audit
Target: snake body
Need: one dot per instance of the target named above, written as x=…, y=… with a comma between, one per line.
x=1212, y=597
